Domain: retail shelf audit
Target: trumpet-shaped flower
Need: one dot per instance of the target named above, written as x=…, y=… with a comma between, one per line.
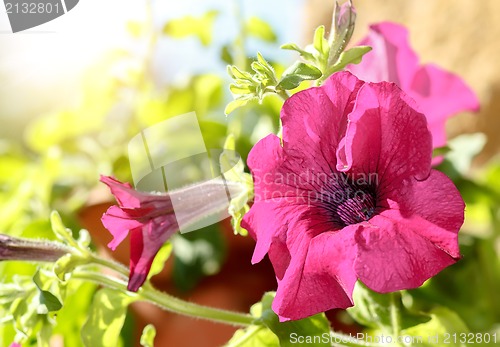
x=151, y=219
x=439, y=94
x=348, y=193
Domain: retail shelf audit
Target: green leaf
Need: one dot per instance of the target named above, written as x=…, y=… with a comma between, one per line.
x=148, y=336
x=294, y=47
x=74, y=312
x=48, y=301
x=160, y=259
x=66, y=264
x=233, y=170
x=237, y=103
x=437, y=331
x=373, y=310
x=254, y=336
x=236, y=73
x=297, y=73
x=241, y=89
x=320, y=43
x=9, y=292
x=63, y=233
x=107, y=314
x=351, y=56
x=260, y=29
x=44, y=334
x=262, y=67
x=288, y=332
x=200, y=27
x=437, y=152
x=226, y=55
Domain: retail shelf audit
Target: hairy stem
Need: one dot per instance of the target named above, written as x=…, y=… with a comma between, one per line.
x=161, y=299
x=395, y=318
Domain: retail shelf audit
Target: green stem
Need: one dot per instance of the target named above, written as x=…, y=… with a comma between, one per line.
x=110, y=264
x=240, y=41
x=107, y=281
x=324, y=77
x=179, y=306
x=163, y=300
x=395, y=318
x=283, y=94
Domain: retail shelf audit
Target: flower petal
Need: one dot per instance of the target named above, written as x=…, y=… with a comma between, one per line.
x=273, y=222
x=145, y=243
x=118, y=223
x=130, y=199
x=436, y=210
x=391, y=58
x=378, y=141
x=315, y=118
x=439, y=95
x=124, y=194
x=320, y=276
x=392, y=255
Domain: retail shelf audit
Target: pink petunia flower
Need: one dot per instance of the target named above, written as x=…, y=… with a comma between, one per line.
x=15, y=344
x=349, y=194
x=151, y=220
x=439, y=94
x=148, y=217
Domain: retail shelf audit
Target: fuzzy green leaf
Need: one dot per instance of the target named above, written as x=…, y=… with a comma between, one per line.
x=294, y=47
x=437, y=331
x=320, y=43
x=48, y=301
x=351, y=56
x=107, y=315
x=373, y=310
x=148, y=336
x=298, y=72
x=234, y=170
x=160, y=259
x=289, y=332
x=237, y=103
x=254, y=336
x=63, y=233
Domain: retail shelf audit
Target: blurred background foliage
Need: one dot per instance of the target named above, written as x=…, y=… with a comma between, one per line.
x=52, y=160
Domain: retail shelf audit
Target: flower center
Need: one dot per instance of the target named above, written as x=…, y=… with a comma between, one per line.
x=350, y=200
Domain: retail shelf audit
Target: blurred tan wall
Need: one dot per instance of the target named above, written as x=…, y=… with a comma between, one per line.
x=460, y=35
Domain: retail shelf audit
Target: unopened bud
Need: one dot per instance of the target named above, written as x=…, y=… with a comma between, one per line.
x=344, y=19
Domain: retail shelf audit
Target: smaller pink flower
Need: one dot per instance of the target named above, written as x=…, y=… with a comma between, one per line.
x=439, y=94
x=148, y=217
x=151, y=220
x=15, y=344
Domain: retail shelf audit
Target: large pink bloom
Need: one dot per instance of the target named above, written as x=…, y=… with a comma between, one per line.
x=439, y=94
x=349, y=194
x=148, y=217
